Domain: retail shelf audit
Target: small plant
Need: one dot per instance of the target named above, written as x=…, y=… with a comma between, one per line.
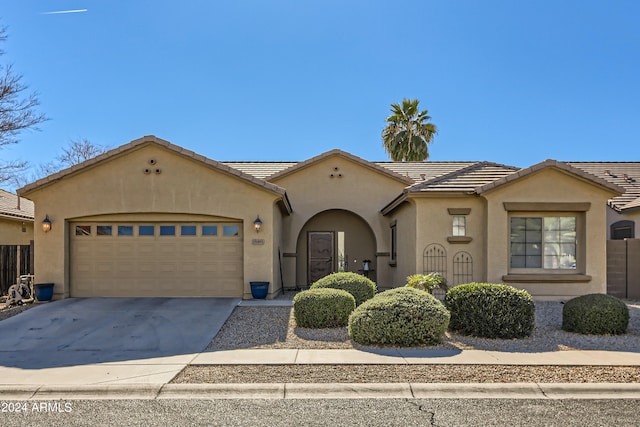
x=323, y=308
x=401, y=316
x=595, y=314
x=427, y=282
x=490, y=310
x=357, y=285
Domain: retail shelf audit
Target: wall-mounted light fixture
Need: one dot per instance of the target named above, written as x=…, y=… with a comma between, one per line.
x=46, y=224
x=257, y=224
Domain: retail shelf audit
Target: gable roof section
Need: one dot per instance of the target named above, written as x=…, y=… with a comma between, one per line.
x=564, y=167
x=623, y=174
x=15, y=208
x=466, y=179
x=314, y=160
x=151, y=139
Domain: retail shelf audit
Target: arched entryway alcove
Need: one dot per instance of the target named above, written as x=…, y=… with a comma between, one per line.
x=334, y=240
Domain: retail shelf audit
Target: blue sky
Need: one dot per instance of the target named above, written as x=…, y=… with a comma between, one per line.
x=512, y=82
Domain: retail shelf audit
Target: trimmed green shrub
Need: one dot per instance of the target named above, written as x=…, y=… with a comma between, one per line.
x=357, y=285
x=401, y=316
x=323, y=308
x=490, y=310
x=427, y=282
x=595, y=314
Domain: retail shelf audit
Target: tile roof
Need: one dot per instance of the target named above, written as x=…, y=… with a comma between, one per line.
x=9, y=206
x=260, y=170
x=422, y=171
x=624, y=174
x=466, y=179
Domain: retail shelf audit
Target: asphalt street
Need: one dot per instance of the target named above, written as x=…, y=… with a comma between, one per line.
x=335, y=412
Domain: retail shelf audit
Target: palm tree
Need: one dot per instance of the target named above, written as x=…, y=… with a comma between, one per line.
x=409, y=131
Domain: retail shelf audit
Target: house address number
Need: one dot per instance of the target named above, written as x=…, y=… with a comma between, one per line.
x=257, y=242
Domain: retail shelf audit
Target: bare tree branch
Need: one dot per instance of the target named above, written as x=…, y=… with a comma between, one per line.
x=17, y=109
x=78, y=151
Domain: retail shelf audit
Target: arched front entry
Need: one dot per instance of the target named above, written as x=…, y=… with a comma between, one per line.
x=334, y=240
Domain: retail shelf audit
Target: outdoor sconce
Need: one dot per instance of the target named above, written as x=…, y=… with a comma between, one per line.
x=46, y=224
x=257, y=224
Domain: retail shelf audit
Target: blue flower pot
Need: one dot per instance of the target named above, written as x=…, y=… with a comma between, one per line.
x=43, y=291
x=259, y=290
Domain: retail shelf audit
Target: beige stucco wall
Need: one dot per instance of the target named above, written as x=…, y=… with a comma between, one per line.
x=613, y=216
x=11, y=231
x=550, y=186
x=183, y=187
x=353, y=187
x=405, y=219
x=435, y=225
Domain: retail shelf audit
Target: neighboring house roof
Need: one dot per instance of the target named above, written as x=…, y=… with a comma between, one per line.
x=14, y=208
x=370, y=165
x=565, y=167
x=151, y=139
x=623, y=174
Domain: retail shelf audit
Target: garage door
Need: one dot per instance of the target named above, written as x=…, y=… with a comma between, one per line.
x=156, y=259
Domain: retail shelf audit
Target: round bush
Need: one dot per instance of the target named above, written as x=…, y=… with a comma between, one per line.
x=595, y=314
x=323, y=308
x=402, y=316
x=357, y=285
x=490, y=310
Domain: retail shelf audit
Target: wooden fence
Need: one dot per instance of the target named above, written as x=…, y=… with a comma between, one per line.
x=15, y=260
x=623, y=268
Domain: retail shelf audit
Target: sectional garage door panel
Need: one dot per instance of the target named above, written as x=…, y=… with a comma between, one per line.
x=146, y=259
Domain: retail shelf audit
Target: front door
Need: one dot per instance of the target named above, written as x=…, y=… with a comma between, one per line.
x=321, y=254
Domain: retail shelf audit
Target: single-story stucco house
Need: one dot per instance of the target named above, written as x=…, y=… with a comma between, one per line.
x=153, y=219
x=16, y=238
x=16, y=219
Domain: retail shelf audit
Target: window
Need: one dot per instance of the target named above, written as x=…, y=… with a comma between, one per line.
x=209, y=230
x=459, y=225
x=622, y=230
x=125, y=230
x=104, y=230
x=230, y=230
x=188, y=230
x=167, y=230
x=83, y=230
x=547, y=242
x=394, y=244
x=146, y=230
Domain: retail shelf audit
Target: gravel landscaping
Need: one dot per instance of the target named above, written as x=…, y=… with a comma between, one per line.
x=274, y=327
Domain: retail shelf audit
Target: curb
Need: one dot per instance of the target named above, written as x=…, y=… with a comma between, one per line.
x=326, y=391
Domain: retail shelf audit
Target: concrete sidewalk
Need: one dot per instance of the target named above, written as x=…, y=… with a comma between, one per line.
x=150, y=378
x=418, y=357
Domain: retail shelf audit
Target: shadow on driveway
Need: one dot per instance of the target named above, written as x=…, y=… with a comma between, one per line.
x=81, y=331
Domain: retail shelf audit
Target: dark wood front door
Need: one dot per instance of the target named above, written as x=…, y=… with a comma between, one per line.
x=321, y=254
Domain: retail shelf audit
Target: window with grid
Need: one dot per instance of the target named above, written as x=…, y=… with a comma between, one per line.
x=547, y=242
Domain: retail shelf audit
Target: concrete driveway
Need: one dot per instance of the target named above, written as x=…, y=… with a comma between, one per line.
x=109, y=331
